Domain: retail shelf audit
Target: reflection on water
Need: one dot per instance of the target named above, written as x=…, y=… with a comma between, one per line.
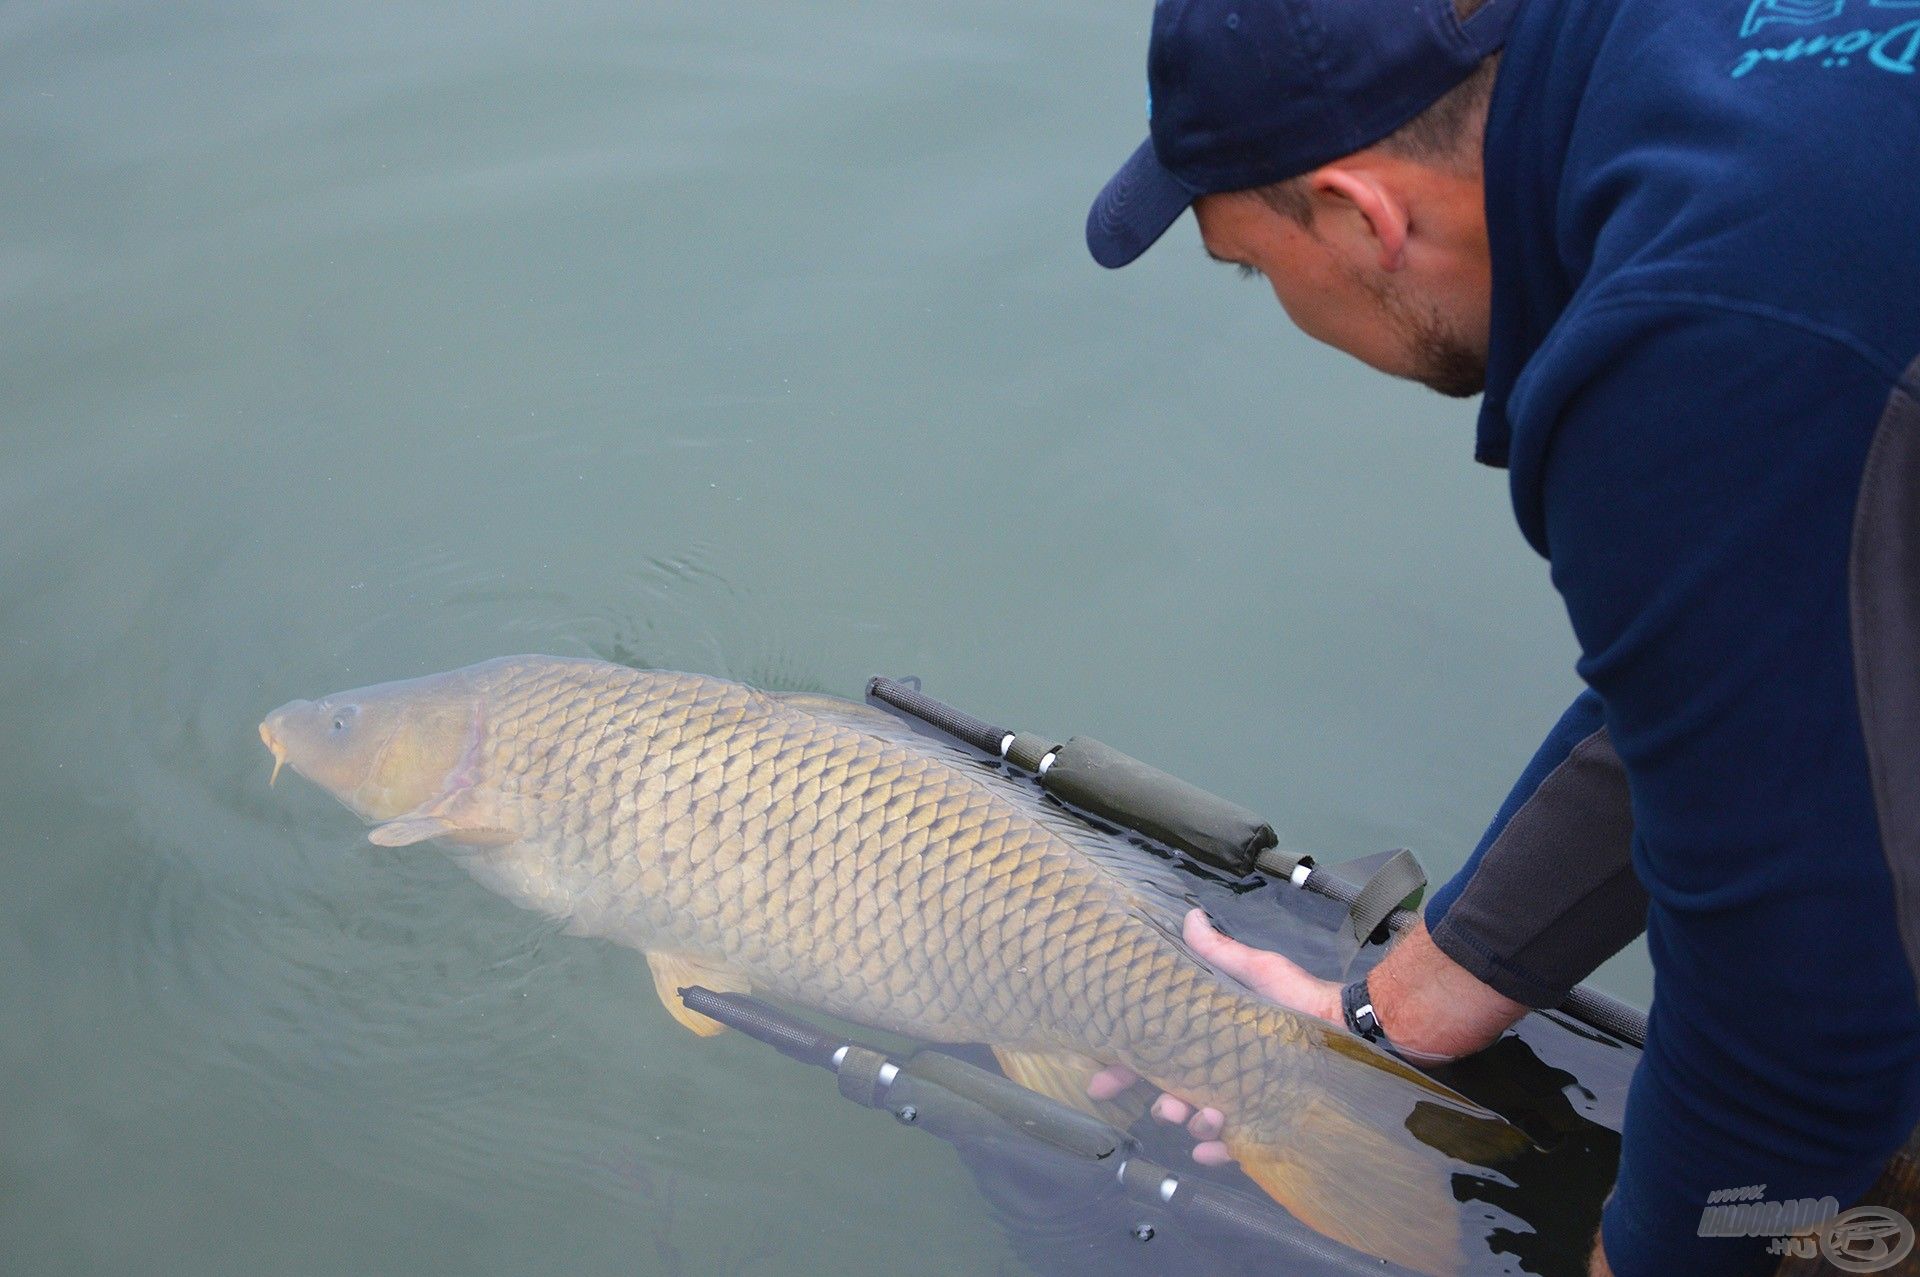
x=343, y=343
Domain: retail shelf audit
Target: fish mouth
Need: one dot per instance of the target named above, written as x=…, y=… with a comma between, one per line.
x=272, y=742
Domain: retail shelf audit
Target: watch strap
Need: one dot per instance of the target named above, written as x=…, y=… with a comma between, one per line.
x=1356, y=1008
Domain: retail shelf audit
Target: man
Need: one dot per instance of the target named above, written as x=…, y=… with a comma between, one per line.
x=1678, y=244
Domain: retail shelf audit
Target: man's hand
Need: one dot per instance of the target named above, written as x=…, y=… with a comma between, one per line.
x=1271, y=976
x=1597, y=1263
x=1427, y=1003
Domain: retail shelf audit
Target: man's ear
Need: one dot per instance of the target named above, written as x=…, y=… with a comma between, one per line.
x=1379, y=207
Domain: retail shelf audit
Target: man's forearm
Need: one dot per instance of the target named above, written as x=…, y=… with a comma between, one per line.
x=1431, y=1006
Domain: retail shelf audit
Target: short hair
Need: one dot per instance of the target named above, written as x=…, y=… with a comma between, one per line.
x=1445, y=135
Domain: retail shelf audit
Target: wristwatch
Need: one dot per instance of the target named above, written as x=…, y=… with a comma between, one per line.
x=1356, y=1007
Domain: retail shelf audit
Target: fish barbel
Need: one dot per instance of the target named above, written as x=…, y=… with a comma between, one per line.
x=819, y=850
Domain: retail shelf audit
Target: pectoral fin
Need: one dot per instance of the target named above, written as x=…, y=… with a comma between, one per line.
x=1062, y=1076
x=408, y=830
x=673, y=972
x=452, y=817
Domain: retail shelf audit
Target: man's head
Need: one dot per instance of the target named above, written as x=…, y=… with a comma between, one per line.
x=1334, y=147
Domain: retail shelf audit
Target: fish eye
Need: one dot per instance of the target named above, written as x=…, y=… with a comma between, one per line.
x=343, y=716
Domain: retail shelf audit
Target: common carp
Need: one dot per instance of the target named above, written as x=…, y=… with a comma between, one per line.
x=819, y=850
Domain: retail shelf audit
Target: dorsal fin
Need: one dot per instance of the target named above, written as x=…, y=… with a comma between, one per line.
x=873, y=721
x=1158, y=890
x=1154, y=886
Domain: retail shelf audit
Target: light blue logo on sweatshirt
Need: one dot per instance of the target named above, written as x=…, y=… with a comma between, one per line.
x=1893, y=48
x=1798, y=13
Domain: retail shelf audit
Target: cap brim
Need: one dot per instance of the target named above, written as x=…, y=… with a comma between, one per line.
x=1135, y=209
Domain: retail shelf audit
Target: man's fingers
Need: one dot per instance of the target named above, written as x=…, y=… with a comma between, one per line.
x=1212, y=1153
x=1267, y=974
x=1111, y=1081
x=1204, y=940
x=1243, y=962
x=1169, y=1108
x=1206, y=1125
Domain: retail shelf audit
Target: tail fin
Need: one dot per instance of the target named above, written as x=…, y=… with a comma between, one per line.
x=1367, y=1158
x=1343, y=1177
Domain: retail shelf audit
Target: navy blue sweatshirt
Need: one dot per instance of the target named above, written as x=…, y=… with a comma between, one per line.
x=1705, y=226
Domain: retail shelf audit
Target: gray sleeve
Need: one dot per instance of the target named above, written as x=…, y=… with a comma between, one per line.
x=1884, y=586
x=1552, y=893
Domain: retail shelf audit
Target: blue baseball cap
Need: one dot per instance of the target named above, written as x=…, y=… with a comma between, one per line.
x=1242, y=93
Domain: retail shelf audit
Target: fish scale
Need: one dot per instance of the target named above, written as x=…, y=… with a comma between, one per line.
x=819, y=851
